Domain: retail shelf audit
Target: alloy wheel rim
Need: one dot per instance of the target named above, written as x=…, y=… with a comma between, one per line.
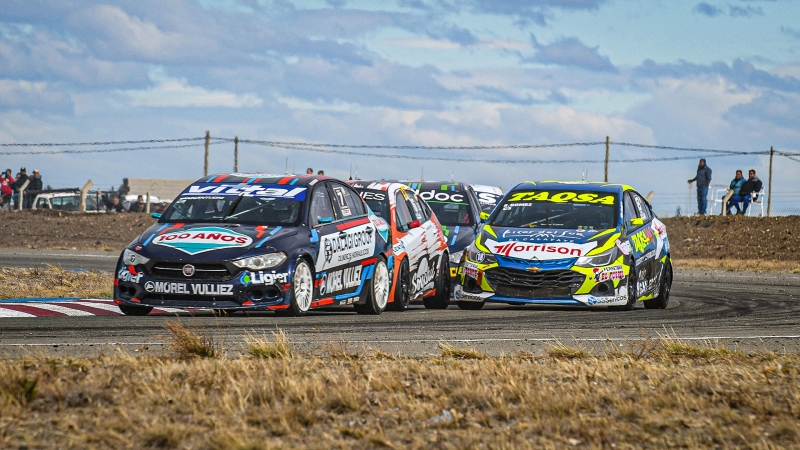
x=302, y=287
x=380, y=284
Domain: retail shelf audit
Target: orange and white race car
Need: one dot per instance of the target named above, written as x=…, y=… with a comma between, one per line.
x=419, y=260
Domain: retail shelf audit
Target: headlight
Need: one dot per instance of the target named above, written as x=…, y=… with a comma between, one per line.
x=261, y=262
x=131, y=258
x=455, y=258
x=603, y=259
x=475, y=255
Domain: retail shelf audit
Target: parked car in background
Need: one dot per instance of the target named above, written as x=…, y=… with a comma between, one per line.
x=459, y=212
x=488, y=196
x=250, y=241
x=420, y=258
x=62, y=200
x=569, y=243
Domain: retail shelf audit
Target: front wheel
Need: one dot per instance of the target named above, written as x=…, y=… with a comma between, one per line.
x=302, y=291
x=470, y=306
x=129, y=310
x=378, y=294
x=442, y=298
x=662, y=300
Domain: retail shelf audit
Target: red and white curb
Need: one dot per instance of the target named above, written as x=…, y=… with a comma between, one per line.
x=80, y=307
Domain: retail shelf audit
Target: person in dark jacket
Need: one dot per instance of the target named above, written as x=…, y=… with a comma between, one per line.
x=733, y=191
x=34, y=186
x=703, y=179
x=137, y=206
x=112, y=205
x=22, y=177
x=750, y=189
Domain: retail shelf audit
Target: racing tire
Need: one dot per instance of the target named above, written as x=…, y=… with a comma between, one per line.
x=662, y=300
x=470, y=306
x=130, y=310
x=631, y=295
x=378, y=293
x=442, y=298
x=302, y=291
x=402, y=292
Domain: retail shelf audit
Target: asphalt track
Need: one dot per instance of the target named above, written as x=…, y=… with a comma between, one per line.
x=741, y=310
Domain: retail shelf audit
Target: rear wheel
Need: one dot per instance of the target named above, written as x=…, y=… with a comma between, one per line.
x=442, y=298
x=130, y=310
x=378, y=294
x=402, y=292
x=302, y=291
x=662, y=300
x=631, y=295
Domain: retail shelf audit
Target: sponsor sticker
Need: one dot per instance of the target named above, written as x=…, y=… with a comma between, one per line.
x=486, y=198
x=624, y=247
x=563, y=197
x=525, y=250
x=642, y=239
x=205, y=289
x=125, y=275
x=340, y=280
x=247, y=190
x=199, y=240
x=424, y=275
x=470, y=269
x=341, y=248
x=545, y=235
x=463, y=296
x=371, y=195
x=443, y=196
x=608, y=273
x=646, y=257
x=264, y=278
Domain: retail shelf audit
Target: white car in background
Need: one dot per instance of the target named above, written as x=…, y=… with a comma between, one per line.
x=63, y=200
x=488, y=196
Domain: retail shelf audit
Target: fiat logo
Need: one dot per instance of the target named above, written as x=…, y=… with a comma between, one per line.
x=188, y=270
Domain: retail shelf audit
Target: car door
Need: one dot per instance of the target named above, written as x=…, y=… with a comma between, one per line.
x=321, y=218
x=350, y=244
x=643, y=242
x=409, y=224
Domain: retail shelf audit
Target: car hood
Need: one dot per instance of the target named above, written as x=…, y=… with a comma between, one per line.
x=211, y=241
x=458, y=237
x=543, y=244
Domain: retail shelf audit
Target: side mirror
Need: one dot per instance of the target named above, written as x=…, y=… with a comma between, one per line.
x=414, y=224
x=637, y=222
x=325, y=220
x=484, y=216
x=155, y=215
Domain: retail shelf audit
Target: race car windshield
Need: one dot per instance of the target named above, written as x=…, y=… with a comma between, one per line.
x=572, y=210
x=377, y=201
x=451, y=214
x=234, y=209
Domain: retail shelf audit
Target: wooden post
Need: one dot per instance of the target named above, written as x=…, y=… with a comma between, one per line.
x=147, y=203
x=769, y=183
x=607, y=152
x=84, y=194
x=205, y=159
x=20, y=197
x=236, y=154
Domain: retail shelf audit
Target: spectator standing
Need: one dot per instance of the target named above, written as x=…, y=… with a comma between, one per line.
x=703, y=178
x=6, y=189
x=750, y=189
x=733, y=190
x=137, y=206
x=321, y=173
x=309, y=171
x=34, y=186
x=112, y=205
x=22, y=177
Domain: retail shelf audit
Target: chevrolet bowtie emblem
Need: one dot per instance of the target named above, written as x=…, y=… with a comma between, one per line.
x=533, y=269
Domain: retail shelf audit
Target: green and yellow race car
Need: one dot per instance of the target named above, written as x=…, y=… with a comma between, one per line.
x=568, y=243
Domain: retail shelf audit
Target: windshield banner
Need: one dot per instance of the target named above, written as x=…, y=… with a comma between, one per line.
x=248, y=190
x=563, y=197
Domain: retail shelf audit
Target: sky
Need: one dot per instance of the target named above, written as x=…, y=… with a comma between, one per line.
x=718, y=74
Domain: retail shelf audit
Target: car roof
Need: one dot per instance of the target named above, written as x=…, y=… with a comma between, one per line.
x=385, y=185
x=496, y=190
x=438, y=185
x=596, y=186
x=261, y=178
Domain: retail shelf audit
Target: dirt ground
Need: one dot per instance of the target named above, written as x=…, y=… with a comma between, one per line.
x=724, y=239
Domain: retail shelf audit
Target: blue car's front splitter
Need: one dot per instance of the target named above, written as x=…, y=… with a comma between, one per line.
x=567, y=301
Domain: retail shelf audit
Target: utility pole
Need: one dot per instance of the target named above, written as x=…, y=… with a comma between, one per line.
x=769, y=184
x=607, y=152
x=205, y=159
x=236, y=154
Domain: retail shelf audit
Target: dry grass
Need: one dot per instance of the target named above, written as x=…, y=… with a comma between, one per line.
x=561, y=351
x=262, y=347
x=54, y=282
x=738, y=265
x=188, y=343
x=448, y=350
x=672, y=395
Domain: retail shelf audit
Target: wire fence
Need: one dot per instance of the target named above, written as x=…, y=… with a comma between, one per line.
x=785, y=202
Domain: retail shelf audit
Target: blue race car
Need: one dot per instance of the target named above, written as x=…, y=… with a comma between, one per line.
x=259, y=242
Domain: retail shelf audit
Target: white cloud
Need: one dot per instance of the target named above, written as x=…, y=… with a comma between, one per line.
x=179, y=94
